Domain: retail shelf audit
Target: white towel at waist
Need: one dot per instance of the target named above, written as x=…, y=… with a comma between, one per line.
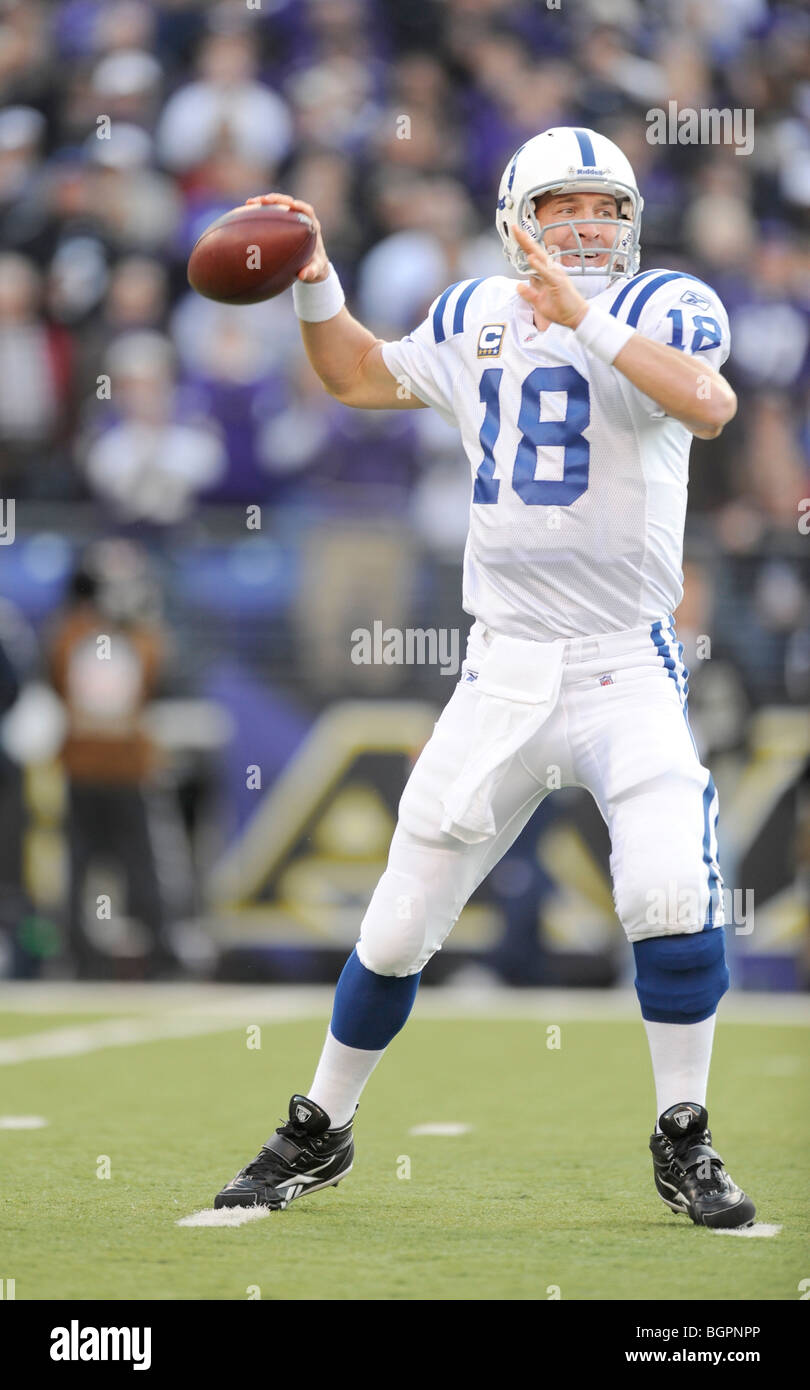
x=517, y=688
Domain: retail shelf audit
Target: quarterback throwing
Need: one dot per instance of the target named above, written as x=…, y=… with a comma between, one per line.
x=576, y=391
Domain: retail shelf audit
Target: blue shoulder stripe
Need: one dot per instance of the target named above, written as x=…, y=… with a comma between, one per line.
x=648, y=289
x=651, y=287
x=438, y=312
x=628, y=289
x=461, y=304
x=439, y=332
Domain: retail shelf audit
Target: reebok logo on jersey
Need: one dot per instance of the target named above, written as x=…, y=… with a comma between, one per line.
x=471, y=676
x=490, y=339
x=700, y=301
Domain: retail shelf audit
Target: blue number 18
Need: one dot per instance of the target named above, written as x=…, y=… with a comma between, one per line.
x=567, y=434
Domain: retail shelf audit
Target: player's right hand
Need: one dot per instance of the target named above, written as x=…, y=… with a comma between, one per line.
x=318, y=267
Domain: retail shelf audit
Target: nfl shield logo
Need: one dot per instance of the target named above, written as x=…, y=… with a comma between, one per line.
x=606, y=678
x=682, y=1118
x=302, y=1114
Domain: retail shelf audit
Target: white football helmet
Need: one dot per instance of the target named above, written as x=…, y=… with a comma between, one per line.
x=568, y=159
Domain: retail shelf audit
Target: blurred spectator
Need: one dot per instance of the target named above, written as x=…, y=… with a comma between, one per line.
x=21, y=925
x=138, y=207
x=127, y=86
x=105, y=655
x=236, y=369
x=325, y=179
x=773, y=461
x=334, y=105
x=404, y=272
x=137, y=296
x=770, y=324
x=26, y=74
x=35, y=367
x=22, y=131
x=336, y=452
x=226, y=104
x=150, y=466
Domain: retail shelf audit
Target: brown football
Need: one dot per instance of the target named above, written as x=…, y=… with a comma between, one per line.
x=250, y=254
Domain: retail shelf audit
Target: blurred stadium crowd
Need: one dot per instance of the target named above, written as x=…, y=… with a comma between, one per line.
x=131, y=408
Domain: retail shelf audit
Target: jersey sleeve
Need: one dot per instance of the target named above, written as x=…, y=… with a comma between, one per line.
x=680, y=311
x=427, y=361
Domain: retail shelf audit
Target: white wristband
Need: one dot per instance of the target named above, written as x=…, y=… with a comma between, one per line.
x=322, y=300
x=603, y=335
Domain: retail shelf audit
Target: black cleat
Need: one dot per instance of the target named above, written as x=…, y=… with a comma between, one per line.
x=302, y=1156
x=690, y=1176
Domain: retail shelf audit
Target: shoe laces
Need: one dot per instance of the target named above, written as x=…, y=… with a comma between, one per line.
x=706, y=1184
x=291, y=1130
x=266, y=1160
x=713, y=1186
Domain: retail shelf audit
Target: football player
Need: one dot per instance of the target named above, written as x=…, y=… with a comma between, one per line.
x=576, y=391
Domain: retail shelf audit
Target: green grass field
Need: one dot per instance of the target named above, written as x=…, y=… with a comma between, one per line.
x=550, y=1188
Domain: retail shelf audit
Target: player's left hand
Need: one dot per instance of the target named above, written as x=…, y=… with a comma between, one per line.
x=550, y=291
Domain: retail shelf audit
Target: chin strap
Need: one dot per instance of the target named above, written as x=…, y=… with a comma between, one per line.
x=590, y=286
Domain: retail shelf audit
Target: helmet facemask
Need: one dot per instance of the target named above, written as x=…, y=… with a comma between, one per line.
x=623, y=254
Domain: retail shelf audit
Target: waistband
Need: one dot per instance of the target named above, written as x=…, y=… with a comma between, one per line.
x=651, y=638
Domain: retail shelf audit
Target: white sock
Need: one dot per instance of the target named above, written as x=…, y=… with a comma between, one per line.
x=339, y=1080
x=681, y=1054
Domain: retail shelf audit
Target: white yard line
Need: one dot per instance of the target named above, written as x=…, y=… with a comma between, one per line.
x=66, y=997
x=224, y=1216
x=759, y=1228
x=444, y=1129
x=92, y=1037
x=256, y=1003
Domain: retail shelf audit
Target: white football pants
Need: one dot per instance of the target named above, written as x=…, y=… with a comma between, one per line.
x=619, y=729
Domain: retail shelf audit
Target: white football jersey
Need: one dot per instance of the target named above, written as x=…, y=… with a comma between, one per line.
x=579, y=480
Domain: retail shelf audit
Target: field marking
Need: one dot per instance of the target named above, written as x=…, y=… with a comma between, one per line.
x=225, y=1216
x=759, y=1228
x=199, y=1020
x=92, y=1037
x=259, y=1003
x=33, y=997
x=448, y=1129
x=23, y=1122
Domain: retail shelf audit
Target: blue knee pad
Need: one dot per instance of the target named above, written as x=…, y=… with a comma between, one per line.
x=371, y=1009
x=681, y=979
